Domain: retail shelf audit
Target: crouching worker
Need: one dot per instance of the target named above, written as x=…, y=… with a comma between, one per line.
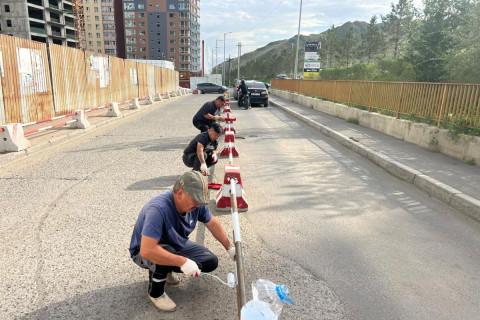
x=160, y=237
x=201, y=152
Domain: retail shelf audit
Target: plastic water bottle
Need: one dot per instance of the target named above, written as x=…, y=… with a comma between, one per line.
x=268, y=301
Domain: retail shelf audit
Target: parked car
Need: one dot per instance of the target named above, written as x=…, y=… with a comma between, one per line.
x=258, y=92
x=211, y=87
x=282, y=76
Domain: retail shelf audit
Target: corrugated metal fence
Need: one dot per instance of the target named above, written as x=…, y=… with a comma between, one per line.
x=436, y=101
x=39, y=82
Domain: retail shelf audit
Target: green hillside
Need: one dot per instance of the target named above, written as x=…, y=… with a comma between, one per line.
x=279, y=56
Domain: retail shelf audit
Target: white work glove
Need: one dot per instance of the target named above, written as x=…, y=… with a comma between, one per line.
x=190, y=268
x=203, y=168
x=214, y=158
x=231, y=252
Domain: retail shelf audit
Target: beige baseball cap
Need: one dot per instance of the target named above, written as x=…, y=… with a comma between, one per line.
x=196, y=185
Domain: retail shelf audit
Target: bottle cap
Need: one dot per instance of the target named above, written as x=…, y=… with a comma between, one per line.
x=282, y=292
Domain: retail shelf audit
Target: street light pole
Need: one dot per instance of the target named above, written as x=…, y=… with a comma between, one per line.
x=298, y=40
x=223, y=69
x=216, y=60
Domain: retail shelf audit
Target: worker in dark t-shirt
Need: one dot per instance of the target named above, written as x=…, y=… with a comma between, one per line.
x=201, y=152
x=206, y=115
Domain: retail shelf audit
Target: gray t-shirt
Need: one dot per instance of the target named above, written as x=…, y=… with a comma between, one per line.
x=160, y=220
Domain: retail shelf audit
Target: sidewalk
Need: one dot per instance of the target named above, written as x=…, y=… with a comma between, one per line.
x=97, y=118
x=450, y=180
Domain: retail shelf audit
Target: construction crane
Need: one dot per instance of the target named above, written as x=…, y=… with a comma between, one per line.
x=79, y=23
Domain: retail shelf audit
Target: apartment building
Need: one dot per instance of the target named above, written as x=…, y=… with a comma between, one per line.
x=104, y=26
x=49, y=21
x=164, y=30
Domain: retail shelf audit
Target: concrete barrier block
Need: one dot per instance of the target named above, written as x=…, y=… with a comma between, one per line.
x=113, y=110
x=135, y=104
x=12, y=138
x=82, y=122
x=467, y=205
x=435, y=188
x=149, y=99
x=158, y=97
x=167, y=95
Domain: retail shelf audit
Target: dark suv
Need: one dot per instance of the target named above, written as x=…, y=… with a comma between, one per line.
x=211, y=87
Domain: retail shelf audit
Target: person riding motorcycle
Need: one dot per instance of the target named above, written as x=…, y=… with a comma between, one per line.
x=242, y=90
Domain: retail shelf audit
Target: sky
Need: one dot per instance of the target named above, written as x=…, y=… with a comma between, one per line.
x=255, y=23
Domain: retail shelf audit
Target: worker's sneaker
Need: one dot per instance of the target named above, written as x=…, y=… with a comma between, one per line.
x=164, y=302
x=172, y=279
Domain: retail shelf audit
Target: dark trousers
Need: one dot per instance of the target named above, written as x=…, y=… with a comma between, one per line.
x=200, y=125
x=204, y=258
x=191, y=160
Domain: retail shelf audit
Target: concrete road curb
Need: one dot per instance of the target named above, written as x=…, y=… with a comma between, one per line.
x=450, y=196
x=8, y=158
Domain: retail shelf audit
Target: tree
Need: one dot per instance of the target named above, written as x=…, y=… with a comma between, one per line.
x=329, y=48
x=464, y=64
x=433, y=40
x=348, y=45
x=396, y=25
x=372, y=41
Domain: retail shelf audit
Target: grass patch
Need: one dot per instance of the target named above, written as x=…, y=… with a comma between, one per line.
x=470, y=161
x=352, y=120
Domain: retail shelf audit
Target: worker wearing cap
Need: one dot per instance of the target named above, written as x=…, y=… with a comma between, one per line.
x=201, y=152
x=208, y=114
x=160, y=241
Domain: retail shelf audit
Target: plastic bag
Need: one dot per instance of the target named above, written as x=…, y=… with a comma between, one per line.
x=268, y=301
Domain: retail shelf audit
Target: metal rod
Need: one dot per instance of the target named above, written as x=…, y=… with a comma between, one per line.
x=241, y=296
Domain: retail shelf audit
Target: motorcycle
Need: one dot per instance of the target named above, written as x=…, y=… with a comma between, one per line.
x=244, y=101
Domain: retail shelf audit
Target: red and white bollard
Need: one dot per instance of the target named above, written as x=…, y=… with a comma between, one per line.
x=229, y=123
x=229, y=145
x=223, y=195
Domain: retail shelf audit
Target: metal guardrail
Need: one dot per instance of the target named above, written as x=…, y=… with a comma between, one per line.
x=434, y=101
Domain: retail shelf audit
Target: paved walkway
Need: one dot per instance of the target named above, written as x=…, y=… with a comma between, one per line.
x=448, y=179
x=97, y=118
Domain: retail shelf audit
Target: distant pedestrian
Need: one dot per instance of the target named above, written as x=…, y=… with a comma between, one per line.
x=201, y=152
x=207, y=114
x=160, y=241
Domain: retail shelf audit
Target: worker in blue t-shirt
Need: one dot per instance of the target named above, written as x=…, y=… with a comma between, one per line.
x=207, y=114
x=160, y=241
x=201, y=152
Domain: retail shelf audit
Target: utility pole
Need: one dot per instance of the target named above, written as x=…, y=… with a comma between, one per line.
x=216, y=60
x=229, y=69
x=239, y=54
x=224, y=58
x=298, y=40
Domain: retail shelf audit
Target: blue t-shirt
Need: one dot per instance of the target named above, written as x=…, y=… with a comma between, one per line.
x=208, y=107
x=160, y=220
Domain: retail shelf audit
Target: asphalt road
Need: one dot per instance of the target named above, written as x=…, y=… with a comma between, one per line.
x=348, y=240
